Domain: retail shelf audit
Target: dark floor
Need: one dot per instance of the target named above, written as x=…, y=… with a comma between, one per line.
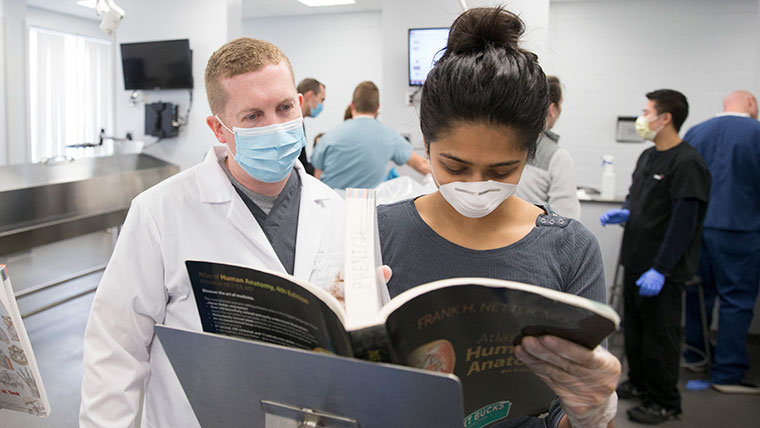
x=707, y=408
x=56, y=336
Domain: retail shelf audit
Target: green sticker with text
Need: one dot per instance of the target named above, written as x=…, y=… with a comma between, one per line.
x=487, y=415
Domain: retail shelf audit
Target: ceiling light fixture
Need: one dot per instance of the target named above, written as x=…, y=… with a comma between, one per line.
x=319, y=3
x=109, y=12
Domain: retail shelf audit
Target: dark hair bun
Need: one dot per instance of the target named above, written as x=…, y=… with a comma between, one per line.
x=484, y=77
x=476, y=29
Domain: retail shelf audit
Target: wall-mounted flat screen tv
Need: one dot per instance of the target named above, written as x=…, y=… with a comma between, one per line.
x=426, y=45
x=165, y=64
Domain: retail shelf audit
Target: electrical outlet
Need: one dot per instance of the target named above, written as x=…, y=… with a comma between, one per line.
x=410, y=94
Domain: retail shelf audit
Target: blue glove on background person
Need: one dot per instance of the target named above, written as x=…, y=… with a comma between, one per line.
x=650, y=283
x=615, y=216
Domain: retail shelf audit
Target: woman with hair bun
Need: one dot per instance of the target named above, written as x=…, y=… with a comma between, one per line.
x=483, y=107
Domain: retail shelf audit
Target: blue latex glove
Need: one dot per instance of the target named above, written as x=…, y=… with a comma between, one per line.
x=650, y=283
x=615, y=216
x=391, y=174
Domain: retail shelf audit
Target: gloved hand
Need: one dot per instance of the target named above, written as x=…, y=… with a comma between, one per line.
x=615, y=216
x=650, y=283
x=584, y=380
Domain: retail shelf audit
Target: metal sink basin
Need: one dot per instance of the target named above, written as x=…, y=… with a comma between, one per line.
x=42, y=203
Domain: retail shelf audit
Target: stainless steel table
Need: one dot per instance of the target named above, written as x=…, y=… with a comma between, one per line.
x=42, y=203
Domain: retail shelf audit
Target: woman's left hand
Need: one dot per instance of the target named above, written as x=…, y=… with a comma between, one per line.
x=584, y=380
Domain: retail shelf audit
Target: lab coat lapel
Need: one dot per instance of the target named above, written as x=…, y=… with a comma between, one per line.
x=311, y=226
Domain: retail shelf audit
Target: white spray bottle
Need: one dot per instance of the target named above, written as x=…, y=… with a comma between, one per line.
x=608, y=177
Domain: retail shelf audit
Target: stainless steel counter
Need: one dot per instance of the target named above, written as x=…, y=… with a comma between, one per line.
x=42, y=203
x=584, y=197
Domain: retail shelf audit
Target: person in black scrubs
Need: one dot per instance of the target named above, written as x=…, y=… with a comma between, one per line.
x=663, y=213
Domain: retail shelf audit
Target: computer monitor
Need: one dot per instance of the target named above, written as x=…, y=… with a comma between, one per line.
x=163, y=64
x=426, y=46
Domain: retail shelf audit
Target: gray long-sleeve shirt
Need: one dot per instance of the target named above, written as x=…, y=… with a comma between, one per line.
x=549, y=178
x=559, y=253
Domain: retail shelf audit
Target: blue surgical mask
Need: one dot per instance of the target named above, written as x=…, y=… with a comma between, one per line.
x=268, y=153
x=316, y=110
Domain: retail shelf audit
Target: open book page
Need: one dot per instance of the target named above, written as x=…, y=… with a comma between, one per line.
x=365, y=286
x=267, y=306
x=21, y=385
x=469, y=327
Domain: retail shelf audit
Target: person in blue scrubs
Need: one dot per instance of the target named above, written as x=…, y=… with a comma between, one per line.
x=729, y=263
x=356, y=152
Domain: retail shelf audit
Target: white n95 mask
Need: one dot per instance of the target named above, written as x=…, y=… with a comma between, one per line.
x=475, y=199
x=642, y=128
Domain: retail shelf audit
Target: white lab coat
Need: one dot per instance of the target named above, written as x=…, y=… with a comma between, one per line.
x=195, y=215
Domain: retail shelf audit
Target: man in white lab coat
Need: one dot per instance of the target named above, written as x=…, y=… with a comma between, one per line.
x=249, y=203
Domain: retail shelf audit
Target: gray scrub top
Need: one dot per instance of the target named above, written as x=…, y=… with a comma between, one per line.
x=277, y=216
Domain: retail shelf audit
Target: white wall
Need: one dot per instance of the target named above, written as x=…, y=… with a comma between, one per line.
x=42, y=18
x=339, y=50
x=208, y=25
x=3, y=139
x=608, y=54
x=13, y=140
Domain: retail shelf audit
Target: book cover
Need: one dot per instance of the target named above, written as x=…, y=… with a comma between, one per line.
x=464, y=326
x=21, y=387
